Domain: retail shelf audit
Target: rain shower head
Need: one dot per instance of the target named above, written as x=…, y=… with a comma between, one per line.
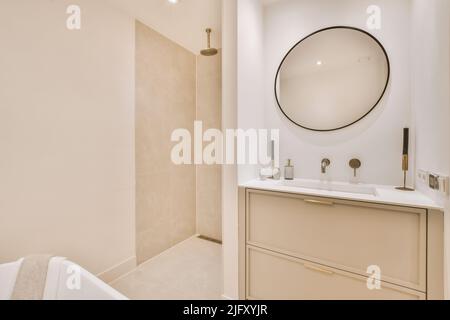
x=209, y=51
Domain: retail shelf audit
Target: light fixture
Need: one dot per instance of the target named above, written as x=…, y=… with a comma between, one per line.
x=173, y=1
x=319, y=63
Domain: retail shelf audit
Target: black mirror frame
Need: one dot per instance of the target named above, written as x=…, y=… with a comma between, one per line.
x=307, y=37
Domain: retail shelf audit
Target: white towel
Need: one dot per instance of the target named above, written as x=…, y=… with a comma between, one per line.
x=31, y=279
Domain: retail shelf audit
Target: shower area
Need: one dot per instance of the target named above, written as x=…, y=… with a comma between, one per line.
x=178, y=207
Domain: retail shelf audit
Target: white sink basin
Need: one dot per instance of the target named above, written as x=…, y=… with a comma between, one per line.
x=330, y=186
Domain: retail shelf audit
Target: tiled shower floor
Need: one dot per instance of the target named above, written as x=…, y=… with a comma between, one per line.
x=192, y=270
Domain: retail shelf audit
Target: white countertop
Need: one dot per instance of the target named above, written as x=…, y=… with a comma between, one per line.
x=384, y=194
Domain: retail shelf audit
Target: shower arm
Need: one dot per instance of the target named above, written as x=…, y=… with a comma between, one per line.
x=208, y=31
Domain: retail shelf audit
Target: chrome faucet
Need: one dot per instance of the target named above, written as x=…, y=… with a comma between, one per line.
x=325, y=164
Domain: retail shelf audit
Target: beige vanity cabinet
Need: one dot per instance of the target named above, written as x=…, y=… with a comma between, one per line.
x=295, y=246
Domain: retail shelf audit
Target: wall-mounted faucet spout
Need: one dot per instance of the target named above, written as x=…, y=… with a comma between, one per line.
x=325, y=164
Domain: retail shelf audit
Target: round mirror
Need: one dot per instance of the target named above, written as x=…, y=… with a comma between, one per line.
x=332, y=78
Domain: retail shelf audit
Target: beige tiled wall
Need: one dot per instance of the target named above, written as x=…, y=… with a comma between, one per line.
x=165, y=100
x=209, y=110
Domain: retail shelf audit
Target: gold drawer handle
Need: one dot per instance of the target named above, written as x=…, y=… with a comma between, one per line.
x=313, y=268
x=325, y=203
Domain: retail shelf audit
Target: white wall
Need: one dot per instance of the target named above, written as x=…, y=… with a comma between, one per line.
x=250, y=73
x=431, y=96
x=377, y=139
x=430, y=85
x=67, y=133
x=243, y=82
x=229, y=172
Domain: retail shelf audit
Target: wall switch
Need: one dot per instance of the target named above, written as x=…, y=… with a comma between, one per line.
x=438, y=183
x=434, y=181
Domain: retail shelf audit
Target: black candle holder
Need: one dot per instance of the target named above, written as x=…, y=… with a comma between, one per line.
x=405, y=167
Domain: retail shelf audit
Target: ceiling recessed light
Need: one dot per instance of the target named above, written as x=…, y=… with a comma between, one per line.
x=319, y=63
x=173, y=1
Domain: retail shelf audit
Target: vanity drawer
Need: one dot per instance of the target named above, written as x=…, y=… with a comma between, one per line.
x=272, y=276
x=345, y=235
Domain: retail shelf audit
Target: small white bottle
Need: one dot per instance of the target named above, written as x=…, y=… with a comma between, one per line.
x=289, y=171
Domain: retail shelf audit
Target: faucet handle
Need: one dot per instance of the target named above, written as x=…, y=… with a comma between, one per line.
x=325, y=164
x=355, y=164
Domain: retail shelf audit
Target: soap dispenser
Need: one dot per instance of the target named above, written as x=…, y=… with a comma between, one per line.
x=289, y=171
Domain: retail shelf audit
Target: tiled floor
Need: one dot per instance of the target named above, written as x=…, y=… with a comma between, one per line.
x=192, y=270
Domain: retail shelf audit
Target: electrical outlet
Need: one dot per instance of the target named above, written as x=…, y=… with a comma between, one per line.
x=434, y=181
